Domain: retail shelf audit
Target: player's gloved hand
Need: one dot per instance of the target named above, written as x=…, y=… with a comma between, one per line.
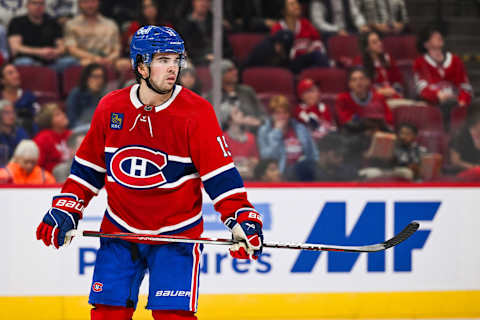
x=246, y=228
x=62, y=217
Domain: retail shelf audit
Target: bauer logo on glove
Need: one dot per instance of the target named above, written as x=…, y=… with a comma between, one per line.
x=246, y=229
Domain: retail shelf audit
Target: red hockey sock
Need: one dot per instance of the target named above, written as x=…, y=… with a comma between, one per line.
x=173, y=315
x=104, y=312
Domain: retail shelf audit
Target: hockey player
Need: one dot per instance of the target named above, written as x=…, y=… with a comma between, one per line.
x=151, y=146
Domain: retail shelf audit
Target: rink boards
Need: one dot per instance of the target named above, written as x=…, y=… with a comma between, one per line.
x=433, y=274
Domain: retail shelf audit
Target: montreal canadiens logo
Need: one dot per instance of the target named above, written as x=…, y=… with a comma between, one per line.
x=138, y=167
x=97, y=286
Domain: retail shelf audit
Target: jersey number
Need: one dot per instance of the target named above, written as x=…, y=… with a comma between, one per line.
x=223, y=144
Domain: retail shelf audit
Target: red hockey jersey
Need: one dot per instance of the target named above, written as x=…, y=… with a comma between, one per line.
x=431, y=77
x=306, y=38
x=385, y=76
x=348, y=107
x=152, y=162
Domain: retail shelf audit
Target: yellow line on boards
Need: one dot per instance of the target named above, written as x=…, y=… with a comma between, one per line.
x=431, y=304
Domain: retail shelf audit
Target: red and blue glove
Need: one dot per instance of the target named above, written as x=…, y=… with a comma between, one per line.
x=66, y=210
x=246, y=229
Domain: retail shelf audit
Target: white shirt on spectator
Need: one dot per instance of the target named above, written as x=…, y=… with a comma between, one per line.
x=318, y=13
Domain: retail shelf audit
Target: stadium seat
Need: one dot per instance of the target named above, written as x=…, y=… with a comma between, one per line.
x=343, y=47
x=435, y=141
x=457, y=118
x=243, y=44
x=406, y=68
x=331, y=81
x=423, y=117
x=269, y=80
x=203, y=74
x=402, y=48
x=42, y=81
x=71, y=78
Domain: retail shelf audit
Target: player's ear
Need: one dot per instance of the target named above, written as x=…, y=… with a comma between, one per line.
x=143, y=70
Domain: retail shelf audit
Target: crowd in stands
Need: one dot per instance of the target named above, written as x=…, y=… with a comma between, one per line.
x=312, y=90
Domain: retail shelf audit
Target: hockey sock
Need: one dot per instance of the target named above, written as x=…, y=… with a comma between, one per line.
x=173, y=315
x=104, y=312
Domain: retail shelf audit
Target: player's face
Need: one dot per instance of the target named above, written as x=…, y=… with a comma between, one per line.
x=164, y=70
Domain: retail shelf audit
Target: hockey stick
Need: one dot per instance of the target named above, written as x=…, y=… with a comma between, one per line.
x=403, y=235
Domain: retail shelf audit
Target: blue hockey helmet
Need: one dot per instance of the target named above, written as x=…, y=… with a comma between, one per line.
x=149, y=40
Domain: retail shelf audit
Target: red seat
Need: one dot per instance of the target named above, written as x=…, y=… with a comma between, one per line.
x=423, y=117
x=457, y=118
x=401, y=47
x=406, y=68
x=269, y=80
x=331, y=81
x=71, y=79
x=42, y=81
x=435, y=141
x=203, y=74
x=243, y=44
x=343, y=47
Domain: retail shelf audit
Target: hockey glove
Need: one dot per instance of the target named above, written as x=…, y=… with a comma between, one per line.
x=246, y=228
x=62, y=217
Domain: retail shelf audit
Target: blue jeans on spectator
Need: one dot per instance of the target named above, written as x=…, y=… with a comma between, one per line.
x=58, y=65
x=312, y=59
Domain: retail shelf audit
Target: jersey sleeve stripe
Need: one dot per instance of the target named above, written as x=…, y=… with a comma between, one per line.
x=83, y=183
x=223, y=182
x=170, y=229
x=228, y=194
x=215, y=172
x=90, y=165
x=87, y=174
x=110, y=149
x=179, y=159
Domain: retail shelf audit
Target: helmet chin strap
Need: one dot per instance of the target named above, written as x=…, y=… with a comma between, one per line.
x=150, y=85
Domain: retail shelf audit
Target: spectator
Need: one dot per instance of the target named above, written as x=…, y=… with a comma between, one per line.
x=92, y=38
x=62, y=10
x=11, y=9
x=242, y=145
x=311, y=111
x=352, y=106
x=308, y=49
x=465, y=148
x=83, y=99
x=407, y=154
x=62, y=170
x=381, y=66
x=440, y=76
x=288, y=141
x=148, y=13
x=188, y=79
x=235, y=95
x=36, y=39
x=23, y=168
x=52, y=140
x=273, y=51
x=197, y=32
x=10, y=133
x=250, y=15
x=334, y=17
x=25, y=102
x=267, y=171
x=330, y=164
x=387, y=16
